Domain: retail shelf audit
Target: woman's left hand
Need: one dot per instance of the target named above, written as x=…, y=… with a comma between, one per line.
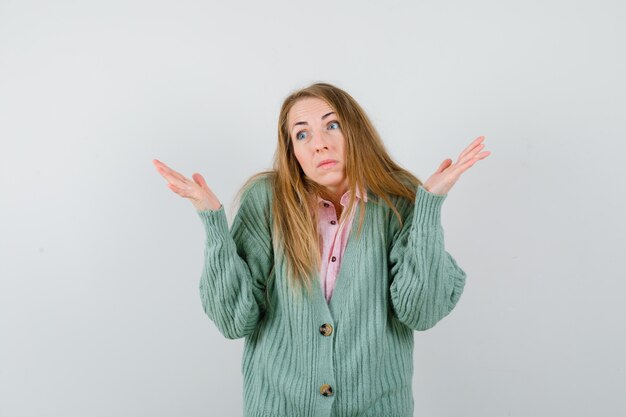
x=448, y=173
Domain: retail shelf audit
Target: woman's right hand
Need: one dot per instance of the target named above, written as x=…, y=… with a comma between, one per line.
x=197, y=191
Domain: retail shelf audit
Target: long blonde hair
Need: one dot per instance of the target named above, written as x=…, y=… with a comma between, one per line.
x=368, y=167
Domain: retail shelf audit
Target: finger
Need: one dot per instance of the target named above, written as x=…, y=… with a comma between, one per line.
x=160, y=165
x=463, y=167
x=471, y=146
x=163, y=167
x=169, y=177
x=174, y=188
x=469, y=155
x=169, y=173
x=181, y=191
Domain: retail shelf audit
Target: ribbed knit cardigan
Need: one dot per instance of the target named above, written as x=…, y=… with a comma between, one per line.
x=393, y=280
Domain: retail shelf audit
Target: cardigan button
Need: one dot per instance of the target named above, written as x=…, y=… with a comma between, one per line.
x=326, y=329
x=333, y=222
x=326, y=390
x=333, y=259
x=326, y=205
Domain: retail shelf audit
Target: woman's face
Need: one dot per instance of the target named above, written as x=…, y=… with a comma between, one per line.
x=318, y=143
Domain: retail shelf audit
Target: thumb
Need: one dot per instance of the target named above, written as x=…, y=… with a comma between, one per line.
x=445, y=164
x=198, y=179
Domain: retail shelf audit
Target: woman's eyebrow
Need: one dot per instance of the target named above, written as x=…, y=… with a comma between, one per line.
x=305, y=123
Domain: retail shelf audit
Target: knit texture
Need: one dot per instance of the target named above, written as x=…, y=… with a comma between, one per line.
x=392, y=280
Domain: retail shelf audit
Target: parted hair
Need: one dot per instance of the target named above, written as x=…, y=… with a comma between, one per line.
x=368, y=167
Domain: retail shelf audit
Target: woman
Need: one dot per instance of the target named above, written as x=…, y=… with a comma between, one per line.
x=327, y=309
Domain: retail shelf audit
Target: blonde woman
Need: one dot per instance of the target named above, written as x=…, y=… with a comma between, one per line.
x=334, y=258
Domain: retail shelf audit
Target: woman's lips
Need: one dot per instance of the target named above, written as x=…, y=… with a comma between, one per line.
x=327, y=164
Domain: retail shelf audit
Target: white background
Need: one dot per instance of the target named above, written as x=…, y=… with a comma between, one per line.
x=100, y=263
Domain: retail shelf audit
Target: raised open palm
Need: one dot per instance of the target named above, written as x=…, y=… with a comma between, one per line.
x=197, y=191
x=448, y=173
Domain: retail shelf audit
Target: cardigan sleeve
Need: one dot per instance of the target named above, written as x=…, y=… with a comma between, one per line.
x=237, y=264
x=426, y=280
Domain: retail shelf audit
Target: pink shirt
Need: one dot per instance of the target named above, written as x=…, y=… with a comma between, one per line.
x=333, y=239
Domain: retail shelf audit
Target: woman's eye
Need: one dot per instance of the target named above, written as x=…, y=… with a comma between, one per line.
x=301, y=135
x=333, y=125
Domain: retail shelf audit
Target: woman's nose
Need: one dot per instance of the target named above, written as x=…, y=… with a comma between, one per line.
x=319, y=141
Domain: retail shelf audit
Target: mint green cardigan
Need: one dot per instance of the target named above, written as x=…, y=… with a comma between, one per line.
x=354, y=355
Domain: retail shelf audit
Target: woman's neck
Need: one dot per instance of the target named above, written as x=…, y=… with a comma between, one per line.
x=336, y=192
x=336, y=200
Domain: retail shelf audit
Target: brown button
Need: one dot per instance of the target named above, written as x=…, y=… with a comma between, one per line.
x=333, y=259
x=333, y=222
x=326, y=329
x=326, y=390
x=326, y=204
